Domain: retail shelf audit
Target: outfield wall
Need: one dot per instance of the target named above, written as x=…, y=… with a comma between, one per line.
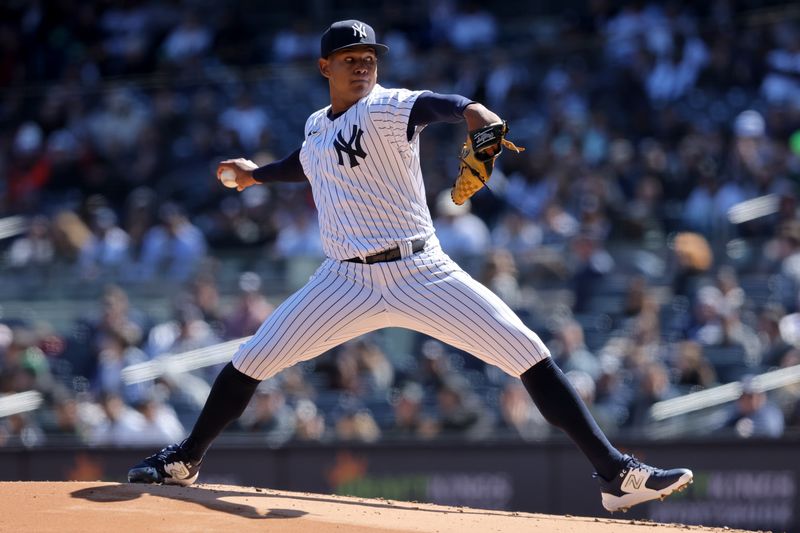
x=744, y=484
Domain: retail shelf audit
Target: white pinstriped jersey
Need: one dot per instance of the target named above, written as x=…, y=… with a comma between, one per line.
x=365, y=175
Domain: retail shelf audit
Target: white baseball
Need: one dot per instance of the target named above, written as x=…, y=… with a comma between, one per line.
x=228, y=178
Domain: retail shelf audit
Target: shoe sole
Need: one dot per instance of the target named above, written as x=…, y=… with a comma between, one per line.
x=615, y=504
x=181, y=482
x=149, y=476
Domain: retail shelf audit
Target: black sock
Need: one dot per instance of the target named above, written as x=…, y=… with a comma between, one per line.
x=560, y=405
x=229, y=395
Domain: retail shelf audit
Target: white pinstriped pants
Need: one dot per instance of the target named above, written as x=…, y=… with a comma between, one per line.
x=426, y=292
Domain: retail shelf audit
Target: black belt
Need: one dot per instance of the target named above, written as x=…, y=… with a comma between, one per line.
x=392, y=254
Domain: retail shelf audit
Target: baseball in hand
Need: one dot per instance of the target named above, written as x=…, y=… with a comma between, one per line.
x=228, y=178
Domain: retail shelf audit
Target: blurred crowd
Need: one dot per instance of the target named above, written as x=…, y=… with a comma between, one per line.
x=650, y=233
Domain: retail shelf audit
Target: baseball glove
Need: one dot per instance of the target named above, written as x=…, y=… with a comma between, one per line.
x=477, y=159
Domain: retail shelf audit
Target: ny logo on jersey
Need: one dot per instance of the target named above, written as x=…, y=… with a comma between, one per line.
x=359, y=29
x=352, y=147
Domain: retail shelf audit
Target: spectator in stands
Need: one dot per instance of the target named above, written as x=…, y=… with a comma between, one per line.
x=24, y=366
x=106, y=251
x=794, y=417
x=518, y=414
x=269, y=415
x=353, y=422
x=569, y=350
x=294, y=43
x=460, y=411
x=310, y=422
x=693, y=370
x=115, y=128
x=654, y=386
x=172, y=249
x=643, y=215
x=590, y=263
x=781, y=84
x=249, y=310
x=188, y=40
x=89, y=337
x=117, y=351
x=460, y=232
x=753, y=414
x=205, y=296
x=360, y=368
x=516, y=234
x=68, y=422
x=675, y=73
x=693, y=258
x=786, y=251
x=247, y=120
x=296, y=386
x=787, y=398
x=70, y=235
x=586, y=388
x=126, y=29
x=161, y=423
x=122, y=425
x=35, y=249
x=298, y=235
x=410, y=420
x=6, y=338
x=559, y=226
x=376, y=369
x=500, y=275
x=773, y=345
x=471, y=28
x=20, y=429
x=719, y=323
x=186, y=331
x=434, y=365
x=28, y=170
x=532, y=189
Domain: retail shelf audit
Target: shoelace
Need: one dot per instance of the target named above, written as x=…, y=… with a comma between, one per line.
x=634, y=463
x=163, y=454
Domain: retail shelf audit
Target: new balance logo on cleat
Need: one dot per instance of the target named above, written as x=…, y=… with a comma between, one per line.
x=633, y=481
x=170, y=466
x=638, y=483
x=177, y=470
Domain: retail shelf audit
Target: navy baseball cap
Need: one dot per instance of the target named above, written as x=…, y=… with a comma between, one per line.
x=347, y=33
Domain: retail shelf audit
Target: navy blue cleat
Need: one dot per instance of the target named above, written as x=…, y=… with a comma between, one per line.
x=170, y=466
x=638, y=483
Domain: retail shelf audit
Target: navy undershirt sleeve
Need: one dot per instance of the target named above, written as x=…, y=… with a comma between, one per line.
x=432, y=107
x=287, y=169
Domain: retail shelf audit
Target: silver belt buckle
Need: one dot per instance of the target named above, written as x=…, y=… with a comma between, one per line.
x=406, y=249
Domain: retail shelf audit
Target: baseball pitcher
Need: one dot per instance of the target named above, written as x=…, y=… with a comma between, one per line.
x=384, y=265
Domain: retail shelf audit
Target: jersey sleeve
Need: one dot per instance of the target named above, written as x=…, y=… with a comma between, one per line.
x=288, y=169
x=389, y=111
x=310, y=126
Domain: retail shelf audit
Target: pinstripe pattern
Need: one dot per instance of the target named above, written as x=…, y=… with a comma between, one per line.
x=337, y=304
x=430, y=293
x=426, y=292
x=367, y=208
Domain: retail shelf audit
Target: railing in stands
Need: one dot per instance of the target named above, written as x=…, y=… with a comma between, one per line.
x=713, y=397
x=20, y=402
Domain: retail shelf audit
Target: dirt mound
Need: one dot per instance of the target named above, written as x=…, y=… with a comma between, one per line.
x=101, y=507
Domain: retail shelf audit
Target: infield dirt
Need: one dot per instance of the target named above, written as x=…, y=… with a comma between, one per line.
x=90, y=507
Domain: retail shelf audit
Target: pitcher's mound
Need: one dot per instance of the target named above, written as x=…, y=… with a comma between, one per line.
x=102, y=507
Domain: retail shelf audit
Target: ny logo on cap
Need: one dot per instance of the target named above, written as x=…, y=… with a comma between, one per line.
x=359, y=29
